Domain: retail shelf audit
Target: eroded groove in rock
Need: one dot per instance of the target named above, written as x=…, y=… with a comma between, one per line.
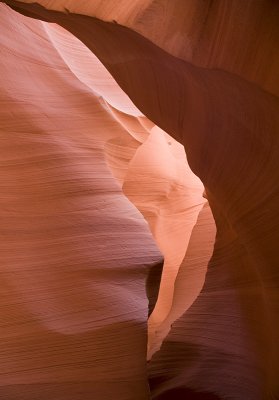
x=226, y=333
x=191, y=275
x=170, y=198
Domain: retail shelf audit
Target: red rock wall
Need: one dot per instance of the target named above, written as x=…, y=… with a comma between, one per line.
x=223, y=342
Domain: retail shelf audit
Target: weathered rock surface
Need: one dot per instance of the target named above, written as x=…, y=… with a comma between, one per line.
x=207, y=78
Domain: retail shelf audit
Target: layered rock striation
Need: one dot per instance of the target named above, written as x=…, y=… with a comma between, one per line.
x=79, y=257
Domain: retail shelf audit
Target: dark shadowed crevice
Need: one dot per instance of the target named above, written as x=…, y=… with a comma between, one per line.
x=186, y=393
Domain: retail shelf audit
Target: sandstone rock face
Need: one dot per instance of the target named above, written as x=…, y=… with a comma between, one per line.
x=77, y=258
x=92, y=180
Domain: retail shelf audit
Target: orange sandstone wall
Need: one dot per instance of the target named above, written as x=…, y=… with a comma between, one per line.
x=207, y=78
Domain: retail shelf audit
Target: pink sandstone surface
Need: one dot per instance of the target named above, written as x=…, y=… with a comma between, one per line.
x=96, y=112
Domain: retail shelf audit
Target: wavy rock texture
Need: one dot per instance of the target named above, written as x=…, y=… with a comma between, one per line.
x=223, y=342
x=234, y=36
x=170, y=199
x=76, y=257
x=191, y=274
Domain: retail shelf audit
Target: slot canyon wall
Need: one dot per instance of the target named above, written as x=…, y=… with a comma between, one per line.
x=130, y=269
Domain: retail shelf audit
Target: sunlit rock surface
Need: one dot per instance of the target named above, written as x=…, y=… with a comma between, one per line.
x=204, y=74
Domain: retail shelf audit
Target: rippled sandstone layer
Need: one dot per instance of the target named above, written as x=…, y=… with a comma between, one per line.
x=224, y=341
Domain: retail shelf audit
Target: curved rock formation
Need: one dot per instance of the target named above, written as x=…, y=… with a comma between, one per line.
x=223, y=342
x=76, y=256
